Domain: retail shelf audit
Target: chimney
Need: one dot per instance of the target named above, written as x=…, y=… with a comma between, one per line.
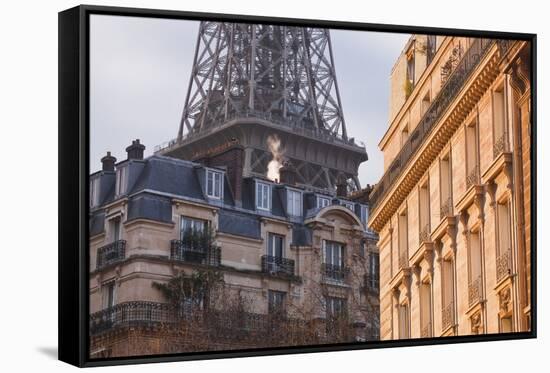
x=287, y=173
x=135, y=151
x=341, y=186
x=108, y=162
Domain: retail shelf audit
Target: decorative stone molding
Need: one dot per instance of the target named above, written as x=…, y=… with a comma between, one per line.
x=476, y=323
x=505, y=300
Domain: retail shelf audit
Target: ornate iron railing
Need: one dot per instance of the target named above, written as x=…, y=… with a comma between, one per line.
x=426, y=330
x=499, y=146
x=448, y=93
x=446, y=208
x=424, y=234
x=473, y=177
x=504, y=264
x=403, y=259
x=277, y=265
x=130, y=314
x=447, y=316
x=334, y=272
x=111, y=253
x=209, y=255
x=475, y=291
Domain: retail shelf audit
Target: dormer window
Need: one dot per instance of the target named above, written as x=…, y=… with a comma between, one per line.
x=294, y=202
x=322, y=202
x=121, y=180
x=364, y=214
x=94, y=192
x=348, y=205
x=214, y=184
x=263, y=196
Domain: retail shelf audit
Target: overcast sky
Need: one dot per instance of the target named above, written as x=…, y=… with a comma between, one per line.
x=140, y=68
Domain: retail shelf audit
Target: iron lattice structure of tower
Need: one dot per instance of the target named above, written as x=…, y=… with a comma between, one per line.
x=250, y=81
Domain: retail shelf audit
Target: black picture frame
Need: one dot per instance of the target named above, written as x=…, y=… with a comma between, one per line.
x=74, y=170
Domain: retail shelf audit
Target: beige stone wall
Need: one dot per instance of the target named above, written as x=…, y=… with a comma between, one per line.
x=475, y=209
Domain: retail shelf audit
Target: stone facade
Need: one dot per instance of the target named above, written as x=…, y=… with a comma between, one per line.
x=453, y=206
x=132, y=238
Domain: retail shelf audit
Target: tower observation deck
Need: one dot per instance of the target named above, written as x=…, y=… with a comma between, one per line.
x=250, y=82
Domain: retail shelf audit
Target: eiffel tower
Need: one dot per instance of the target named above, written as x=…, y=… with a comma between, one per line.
x=253, y=81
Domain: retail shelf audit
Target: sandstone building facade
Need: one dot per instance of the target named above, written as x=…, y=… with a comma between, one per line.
x=304, y=254
x=453, y=207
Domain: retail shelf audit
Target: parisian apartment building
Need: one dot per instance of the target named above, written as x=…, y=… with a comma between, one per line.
x=304, y=255
x=452, y=208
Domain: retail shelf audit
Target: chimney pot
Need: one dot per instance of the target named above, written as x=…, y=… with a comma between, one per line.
x=287, y=173
x=135, y=151
x=341, y=186
x=108, y=162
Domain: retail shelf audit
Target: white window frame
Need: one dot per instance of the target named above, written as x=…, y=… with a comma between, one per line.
x=263, y=187
x=271, y=239
x=121, y=180
x=296, y=210
x=216, y=189
x=339, y=262
x=105, y=294
x=197, y=225
x=349, y=205
x=364, y=214
x=322, y=204
x=94, y=192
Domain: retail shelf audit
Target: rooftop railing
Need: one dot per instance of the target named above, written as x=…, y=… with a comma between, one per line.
x=437, y=108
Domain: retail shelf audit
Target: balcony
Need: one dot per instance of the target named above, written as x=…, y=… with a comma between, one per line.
x=333, y=272
x=371, y=283
x=504, y=265
x=474, y=291
x=447, y=317
x=131, y=314
x=448, y=94
x=473, y=177
x=206, y=255
x=426, y=330
x=111, y=253
x=277, y=265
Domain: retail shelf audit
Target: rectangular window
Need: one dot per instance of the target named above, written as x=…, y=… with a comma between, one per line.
x=335, y=306
x=294, y=203
x=448, y=294
x=348, y=205
x=276, y=302
x=499, y=118
x=410, y=68
x=425, y=104
x=504, y=247
x=431, y=48
x=121, y=180
x=374, y=270
x=364, y=214
x=322, y=202
x=109, y=295
x=403, y=318
x=472, y=156
x=425, y=310
x=94, y=192
x=424, y=212
x=214, y=184
x=263, y=196
x=275, y=245
x=445, y=183
x=474, y=283
x=188, y=225
x=404, y=135
x=334, y=253
x=403, y=243
x=115, y=226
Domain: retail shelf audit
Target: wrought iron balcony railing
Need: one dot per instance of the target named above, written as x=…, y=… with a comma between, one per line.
x=446, y=208
x=403, y=259
x=424, y=234
x=474, y=291
x=334, y=272
x=426, y=330
x=209, y=255
x=447, y=316
x=277, y=265
x=499, y=146
x=131, y=314
x=504, y=264
x=111, y=253
x=473, y=177
x=446, y=96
